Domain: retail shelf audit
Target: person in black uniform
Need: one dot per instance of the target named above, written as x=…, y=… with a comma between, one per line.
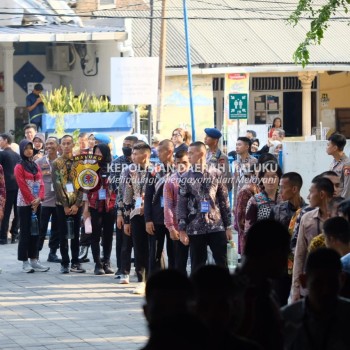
x=8, y=160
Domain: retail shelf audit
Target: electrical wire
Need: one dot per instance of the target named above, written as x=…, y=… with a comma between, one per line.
x=144, y=43
x=222, y=6
x=178, y=17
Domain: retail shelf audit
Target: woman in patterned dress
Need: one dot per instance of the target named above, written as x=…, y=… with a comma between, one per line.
x=250, y=189
x=260, y=205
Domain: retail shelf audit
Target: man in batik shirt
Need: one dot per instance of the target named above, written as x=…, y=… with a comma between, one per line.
x=134, y=221
x=203, y=210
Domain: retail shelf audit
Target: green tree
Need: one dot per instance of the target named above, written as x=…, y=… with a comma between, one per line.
x=320, y=17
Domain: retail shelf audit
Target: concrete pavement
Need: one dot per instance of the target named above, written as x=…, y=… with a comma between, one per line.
x=51, y=311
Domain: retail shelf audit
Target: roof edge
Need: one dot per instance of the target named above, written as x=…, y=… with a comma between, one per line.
x=267, y=68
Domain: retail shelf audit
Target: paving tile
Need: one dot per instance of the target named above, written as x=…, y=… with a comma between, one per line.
x=50, y=311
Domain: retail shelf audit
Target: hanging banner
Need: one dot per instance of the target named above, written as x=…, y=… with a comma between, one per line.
x=236, y=86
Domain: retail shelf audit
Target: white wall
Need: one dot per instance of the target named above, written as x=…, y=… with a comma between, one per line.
x=39, y=62
x=308, y=159
x=101, y=83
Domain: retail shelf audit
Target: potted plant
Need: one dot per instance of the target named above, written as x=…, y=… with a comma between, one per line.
x=71, y=111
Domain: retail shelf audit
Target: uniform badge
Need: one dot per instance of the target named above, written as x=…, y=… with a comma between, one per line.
x=86, y=176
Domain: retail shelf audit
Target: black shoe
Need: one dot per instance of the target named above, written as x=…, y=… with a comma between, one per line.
x=3, y=241
x=53, y=258
x=84, y=250
x=84, y=260
x=99, y=269
x=119, y=272
x=77, y=268
x=64, y=269
x=107, y=268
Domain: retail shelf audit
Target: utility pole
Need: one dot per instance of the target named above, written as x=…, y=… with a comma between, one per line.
x=189, y=69
x=150, y=117
x=162, y=57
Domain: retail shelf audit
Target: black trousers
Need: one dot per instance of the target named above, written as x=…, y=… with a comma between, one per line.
x=119, y=236
x=217, y=242
x=54, y=241
x=102, y=223
x=181, y=256
x=11, y=202
x=156, y=244
x=27, y=244
x=74, y=243
x=140, y=241
x=125, y=257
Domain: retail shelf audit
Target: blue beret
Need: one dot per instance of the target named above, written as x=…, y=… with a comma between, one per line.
x=103, y=138
x=213, y=133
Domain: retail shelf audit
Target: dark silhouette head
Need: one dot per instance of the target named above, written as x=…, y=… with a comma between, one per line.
x=337, y=232
x=267, y=247
x=344, y=209
x=181, y=332
x=168, y=293
x=322, y=278
x=213, y=304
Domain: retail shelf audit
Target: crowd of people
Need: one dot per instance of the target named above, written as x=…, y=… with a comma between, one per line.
x=182, y=201
x=213, y=309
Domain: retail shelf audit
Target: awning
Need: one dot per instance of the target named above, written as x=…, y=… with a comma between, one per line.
x=61, y=33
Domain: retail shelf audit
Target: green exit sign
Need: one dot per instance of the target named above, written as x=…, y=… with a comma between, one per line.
x=238, y=105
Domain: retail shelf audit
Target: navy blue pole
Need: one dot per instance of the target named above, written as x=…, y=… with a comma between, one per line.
x=189, y=70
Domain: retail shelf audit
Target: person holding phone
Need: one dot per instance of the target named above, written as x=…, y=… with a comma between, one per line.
x=35, y=106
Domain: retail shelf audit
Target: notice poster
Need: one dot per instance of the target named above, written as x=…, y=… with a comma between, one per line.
x=134, y=80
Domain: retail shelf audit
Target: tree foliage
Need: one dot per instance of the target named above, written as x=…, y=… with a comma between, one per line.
x=320, y=16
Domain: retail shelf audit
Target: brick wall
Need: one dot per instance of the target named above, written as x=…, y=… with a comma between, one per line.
x=92, y=5
x=132, y=5
x=86, y=6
